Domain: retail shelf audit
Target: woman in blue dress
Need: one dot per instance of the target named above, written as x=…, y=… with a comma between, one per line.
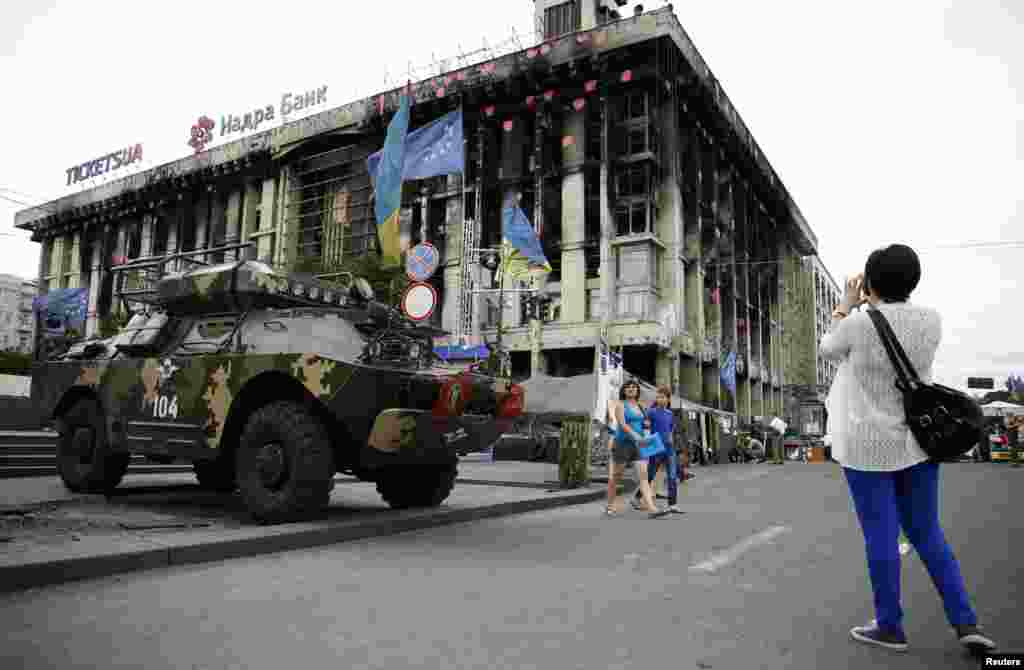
x=628, y=439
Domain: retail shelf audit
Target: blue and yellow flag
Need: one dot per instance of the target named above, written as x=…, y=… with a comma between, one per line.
x=521, y=248
x=434, y=149
x=388, y=184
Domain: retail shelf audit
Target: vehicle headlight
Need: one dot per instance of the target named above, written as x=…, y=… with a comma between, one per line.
x=415, y=350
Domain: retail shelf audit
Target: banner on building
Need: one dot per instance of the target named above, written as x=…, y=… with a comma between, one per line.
x=61, y=310
x=609, y=380
x=728, y=373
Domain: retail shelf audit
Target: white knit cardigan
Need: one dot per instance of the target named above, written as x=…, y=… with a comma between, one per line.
x=865, y=410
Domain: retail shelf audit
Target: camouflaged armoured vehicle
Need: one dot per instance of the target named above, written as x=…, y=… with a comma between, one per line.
x=269, y=384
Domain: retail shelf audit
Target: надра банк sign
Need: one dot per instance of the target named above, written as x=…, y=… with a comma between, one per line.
x=289, y=104
x=104, y=164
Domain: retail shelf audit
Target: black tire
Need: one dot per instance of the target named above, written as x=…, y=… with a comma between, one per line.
x=216, y=475
x=416, y=486
x=284, y=464
x=84, y=461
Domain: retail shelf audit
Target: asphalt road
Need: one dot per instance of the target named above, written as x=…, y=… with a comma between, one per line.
x=766, y=570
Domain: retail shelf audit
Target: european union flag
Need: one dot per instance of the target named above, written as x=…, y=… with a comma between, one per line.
x=728, y=373
x=432, y=150
x=523, y=251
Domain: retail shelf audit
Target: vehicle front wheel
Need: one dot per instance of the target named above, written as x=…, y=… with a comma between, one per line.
x=403, y=487
x=84, y=462
x=284, y=464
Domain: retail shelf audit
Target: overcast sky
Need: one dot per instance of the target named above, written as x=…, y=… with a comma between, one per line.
x=887, y=121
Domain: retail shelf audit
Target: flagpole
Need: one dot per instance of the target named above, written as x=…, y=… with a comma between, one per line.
x=501, y=295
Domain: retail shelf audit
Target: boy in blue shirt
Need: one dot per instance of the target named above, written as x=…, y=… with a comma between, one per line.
x=662, y=423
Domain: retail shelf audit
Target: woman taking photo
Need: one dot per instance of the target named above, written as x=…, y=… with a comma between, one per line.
x=891, y=480
x=626, y=448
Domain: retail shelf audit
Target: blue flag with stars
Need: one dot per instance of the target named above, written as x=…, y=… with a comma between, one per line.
x=432, y=150
x=728, y=373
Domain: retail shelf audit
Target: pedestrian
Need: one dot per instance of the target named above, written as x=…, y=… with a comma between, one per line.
x=662, y=423
x=892, y=482
x=626, y=449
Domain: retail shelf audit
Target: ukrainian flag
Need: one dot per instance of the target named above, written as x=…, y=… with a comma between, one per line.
x=388, y=184
x=521, y=250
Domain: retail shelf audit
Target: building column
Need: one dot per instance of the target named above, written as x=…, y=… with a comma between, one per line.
x=217, y=227
x=233, y=221
x=574, y=271
x=146, y=235
x=452, y=264
x=742, y=276
x=201, y=216
x=250, y=214
x=713, y=310
x=692, y=381
x=96, y=273
x=669, y=227
x=607, y=225
x=754, y=327
x=266, y=244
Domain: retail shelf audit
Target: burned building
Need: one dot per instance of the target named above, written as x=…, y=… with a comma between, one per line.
x=668, y=231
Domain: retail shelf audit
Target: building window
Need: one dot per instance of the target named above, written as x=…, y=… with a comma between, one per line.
x=561, y=19
x=631, y=218
x=633, y=181
x=636, y=105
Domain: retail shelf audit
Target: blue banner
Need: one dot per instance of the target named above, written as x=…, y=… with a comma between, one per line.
x=435, y=149
x=728, y=373
x=456, y=352
x=62, y=308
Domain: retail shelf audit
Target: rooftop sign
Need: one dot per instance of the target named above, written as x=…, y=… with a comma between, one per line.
x=202, y=131
x=104, y=164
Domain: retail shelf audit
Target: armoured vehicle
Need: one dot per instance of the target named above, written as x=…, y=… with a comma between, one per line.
x=270, y=383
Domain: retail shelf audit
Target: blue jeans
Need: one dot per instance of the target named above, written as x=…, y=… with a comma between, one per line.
x=670, y=461
x=909, y=498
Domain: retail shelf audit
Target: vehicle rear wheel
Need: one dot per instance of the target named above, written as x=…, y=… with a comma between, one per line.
x=216, y=475
x=416, y=486
x=84, y=462
x=284, y=464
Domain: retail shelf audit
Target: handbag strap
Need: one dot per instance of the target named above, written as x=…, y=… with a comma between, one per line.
x=906, y=375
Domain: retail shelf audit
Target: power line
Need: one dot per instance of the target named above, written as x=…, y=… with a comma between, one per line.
x=16, y=202
x=996, y=244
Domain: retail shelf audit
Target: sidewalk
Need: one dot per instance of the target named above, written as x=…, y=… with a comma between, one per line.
x=49, y=535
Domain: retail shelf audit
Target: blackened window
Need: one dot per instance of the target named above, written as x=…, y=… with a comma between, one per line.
x=637, y=140
x=631, y=218
x=633, y=181
x=160, y=230
x=636, y=105
x=134, y=234
x=561, y=19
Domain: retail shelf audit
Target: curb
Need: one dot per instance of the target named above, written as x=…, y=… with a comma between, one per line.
x=47, y=573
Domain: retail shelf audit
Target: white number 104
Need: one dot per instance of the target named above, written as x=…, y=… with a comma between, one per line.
x=166, y=407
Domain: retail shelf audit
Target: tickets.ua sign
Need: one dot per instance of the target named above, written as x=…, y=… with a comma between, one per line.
x=104, y=164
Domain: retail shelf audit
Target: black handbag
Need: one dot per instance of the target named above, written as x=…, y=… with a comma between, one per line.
x=947, y=423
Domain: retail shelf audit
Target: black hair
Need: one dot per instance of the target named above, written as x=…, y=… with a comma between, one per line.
x=626, y=385
x=893, y=272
